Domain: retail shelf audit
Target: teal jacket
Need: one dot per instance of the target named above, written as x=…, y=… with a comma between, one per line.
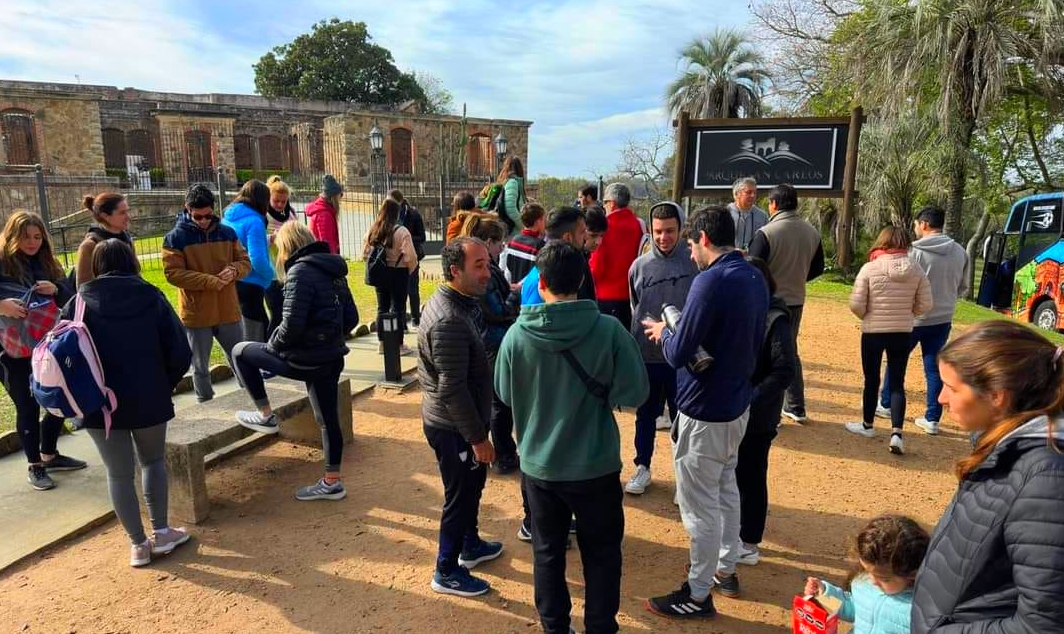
x=871, y=610
x=515, y=198
x=564, y=433
x=250, y=228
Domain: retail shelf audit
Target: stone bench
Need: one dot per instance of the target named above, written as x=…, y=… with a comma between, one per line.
x=205, y=428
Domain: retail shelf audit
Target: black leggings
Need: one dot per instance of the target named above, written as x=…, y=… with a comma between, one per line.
x=274, y=296
x=896, y=346
x=391, y=297
x=249, y=357
x=38, y=436
x=252, y=298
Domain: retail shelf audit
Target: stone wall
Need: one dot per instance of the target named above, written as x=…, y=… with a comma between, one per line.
x=67, y=131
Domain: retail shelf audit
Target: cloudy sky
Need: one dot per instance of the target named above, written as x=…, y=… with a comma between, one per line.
x=589, y=73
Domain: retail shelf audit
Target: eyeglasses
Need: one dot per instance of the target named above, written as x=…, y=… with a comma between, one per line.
x=198, y=217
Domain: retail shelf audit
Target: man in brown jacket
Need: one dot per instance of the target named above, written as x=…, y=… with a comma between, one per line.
x=204, y=259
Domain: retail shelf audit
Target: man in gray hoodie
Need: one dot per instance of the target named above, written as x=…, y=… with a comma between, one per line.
x=663, y=275
x=946, y=265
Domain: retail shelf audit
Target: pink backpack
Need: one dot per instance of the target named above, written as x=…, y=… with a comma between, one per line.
x=68, y=377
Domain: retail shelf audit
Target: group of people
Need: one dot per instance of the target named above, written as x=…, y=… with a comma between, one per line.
x=553, y=371
x=529, y=346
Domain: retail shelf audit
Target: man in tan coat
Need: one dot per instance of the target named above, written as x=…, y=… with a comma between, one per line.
x=203, y=259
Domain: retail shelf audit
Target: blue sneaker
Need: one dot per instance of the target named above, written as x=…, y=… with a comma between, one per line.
x=460, y=583
x=484, y=551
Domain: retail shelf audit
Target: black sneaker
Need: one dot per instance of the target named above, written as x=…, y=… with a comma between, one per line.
x=680, y=605
x=727, y=586
x=59, y=462
x=797, y=415
x=39, y=479
x=524, y=533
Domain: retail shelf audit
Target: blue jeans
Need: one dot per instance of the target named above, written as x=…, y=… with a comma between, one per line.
x=662, y=388
x=931, y=340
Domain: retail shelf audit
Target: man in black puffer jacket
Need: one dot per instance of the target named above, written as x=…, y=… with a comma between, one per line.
x=308, y=345
x=456, y=385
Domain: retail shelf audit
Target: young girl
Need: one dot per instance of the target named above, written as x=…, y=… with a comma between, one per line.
x=889, y=292
x=27, y=261
x=401, y=259
x=131, y=320
x=889, y=551
x=111, y=213
x=247, y=216
x=323, y=214
x=308, y=346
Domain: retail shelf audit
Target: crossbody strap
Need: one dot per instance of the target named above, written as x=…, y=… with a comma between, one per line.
x=596, y=389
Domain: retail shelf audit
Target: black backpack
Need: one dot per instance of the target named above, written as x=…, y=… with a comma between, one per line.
x=377, y=264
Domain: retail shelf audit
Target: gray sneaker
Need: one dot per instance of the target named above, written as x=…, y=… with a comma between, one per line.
x=322, y=491
x=728, y=586
x=163, y=543
x=258, y=422
x=38, y=478
x=59, y=462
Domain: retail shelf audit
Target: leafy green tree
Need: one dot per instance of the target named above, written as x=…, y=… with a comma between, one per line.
x=724, y=77
x=438, y=100
x=336, y=61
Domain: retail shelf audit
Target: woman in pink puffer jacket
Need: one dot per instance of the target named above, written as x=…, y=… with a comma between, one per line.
x=890, y=291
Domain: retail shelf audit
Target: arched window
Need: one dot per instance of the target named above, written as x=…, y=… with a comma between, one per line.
x=243, y=151
x=402, y=153
x=479, y=155
x=141, y=143
x=114, y=148
x=271, y=153
x=20, y=138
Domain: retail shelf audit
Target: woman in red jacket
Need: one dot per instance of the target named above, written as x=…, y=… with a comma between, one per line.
x=323, y=214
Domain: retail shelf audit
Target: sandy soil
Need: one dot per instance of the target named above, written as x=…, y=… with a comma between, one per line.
x=264, y=562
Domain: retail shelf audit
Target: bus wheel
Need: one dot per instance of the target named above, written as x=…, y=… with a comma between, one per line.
x=1045, y=315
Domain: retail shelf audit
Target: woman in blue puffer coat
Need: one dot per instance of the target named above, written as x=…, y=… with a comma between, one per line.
x=996, y=559
x=247, y=216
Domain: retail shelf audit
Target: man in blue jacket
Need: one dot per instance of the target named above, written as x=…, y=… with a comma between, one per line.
x=725, y=315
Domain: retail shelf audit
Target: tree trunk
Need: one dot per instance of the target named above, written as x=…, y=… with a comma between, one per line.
x=973, y=250
x=958, y=174
x=1046, y=178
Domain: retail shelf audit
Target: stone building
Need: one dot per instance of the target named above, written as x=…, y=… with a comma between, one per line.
x=74, y=129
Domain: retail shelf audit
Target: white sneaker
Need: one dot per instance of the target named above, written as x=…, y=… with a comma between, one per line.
x=639, y=482
x=897, y=445
x=663, y=422
x=929, y=426
x=882, y=412
x=861, y=430
x=749, y=555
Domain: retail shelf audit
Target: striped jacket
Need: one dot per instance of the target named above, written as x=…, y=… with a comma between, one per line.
x=520, y=255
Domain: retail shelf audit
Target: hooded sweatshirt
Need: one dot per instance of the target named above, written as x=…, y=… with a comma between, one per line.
x=565, y=433
x=142, y=348
x=657, y=278
x=946, y=265
x=888, y=292
x=250, y=228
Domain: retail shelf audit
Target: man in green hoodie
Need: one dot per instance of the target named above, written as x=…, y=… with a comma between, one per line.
x=562, y=368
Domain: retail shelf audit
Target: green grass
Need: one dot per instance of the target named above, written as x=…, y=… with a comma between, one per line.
x=364, y=296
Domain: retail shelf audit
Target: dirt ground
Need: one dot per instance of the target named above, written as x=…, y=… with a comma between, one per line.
x=265, y=562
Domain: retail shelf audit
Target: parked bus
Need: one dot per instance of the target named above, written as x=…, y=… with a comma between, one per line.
x=1022, y=264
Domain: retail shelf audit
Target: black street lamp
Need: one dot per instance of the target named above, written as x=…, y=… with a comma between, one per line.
x=501, y=145
x=376, y=144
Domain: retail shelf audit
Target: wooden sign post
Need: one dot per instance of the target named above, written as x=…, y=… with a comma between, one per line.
x=816, y=155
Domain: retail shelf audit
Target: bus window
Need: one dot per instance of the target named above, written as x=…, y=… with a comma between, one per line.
x=1015, y=222
x=1042, y=228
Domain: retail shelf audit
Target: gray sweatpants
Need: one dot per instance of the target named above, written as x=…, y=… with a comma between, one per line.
x=117, y=455
x=201, y=340
x=705, y=455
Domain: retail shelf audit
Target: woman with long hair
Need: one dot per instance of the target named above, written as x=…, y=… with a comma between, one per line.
x=308, y=346
x=323, y=214
x=400, y=260
x=110, y=213
x=996, y=560
x=512, y=179
x=144, y=354
x=410, y=218
x=247, y=216
x=279, y=212
x=27, y=261
x=889, y=292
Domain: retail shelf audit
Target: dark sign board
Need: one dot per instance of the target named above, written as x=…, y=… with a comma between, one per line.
x=810, y=155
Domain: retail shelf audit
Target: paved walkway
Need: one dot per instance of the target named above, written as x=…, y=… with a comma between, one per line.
x=33, y=520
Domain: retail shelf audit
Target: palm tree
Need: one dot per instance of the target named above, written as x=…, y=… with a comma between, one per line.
x=724, y=78
x=962, y=56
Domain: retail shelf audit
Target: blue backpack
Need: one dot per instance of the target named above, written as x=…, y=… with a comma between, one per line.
x=67, y=376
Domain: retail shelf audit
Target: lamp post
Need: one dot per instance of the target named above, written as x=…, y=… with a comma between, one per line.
x=376, y=144
x=501, y=145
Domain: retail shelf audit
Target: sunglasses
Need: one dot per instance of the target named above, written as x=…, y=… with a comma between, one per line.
x=198, y=217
